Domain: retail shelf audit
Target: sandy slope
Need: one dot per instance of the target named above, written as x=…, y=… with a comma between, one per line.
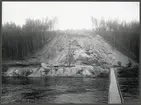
x=99, y=50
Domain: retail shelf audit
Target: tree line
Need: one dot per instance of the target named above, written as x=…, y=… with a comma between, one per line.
x=124, y=36
x=19, y=42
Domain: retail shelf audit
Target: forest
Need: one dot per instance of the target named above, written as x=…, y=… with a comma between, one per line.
x=124, y=36
x=20, y=42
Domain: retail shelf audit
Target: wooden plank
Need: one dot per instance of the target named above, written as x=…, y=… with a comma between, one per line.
x=114, y=93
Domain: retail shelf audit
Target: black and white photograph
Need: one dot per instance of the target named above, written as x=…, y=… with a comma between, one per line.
x=66, y=52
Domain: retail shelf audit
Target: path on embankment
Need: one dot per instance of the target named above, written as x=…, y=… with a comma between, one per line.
x=115, y=96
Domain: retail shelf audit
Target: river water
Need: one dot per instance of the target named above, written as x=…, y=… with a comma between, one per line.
x=55, y=90
x=65, y=90
x=129, y=89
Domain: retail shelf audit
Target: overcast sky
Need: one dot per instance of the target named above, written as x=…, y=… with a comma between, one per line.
x=71, y=15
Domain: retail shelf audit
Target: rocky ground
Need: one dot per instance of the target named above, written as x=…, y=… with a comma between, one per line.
x=92, y=56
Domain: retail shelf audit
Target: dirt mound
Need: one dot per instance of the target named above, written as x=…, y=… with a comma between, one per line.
x=84, y=50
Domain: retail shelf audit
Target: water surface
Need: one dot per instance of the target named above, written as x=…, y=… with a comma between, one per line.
x=55, y=90
x=130, y=89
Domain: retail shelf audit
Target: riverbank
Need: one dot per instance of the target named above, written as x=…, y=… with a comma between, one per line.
x=39, y=71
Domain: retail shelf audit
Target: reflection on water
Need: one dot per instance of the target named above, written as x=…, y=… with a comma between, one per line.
x=55, y=90
x=65, y=90
x=129, y=89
